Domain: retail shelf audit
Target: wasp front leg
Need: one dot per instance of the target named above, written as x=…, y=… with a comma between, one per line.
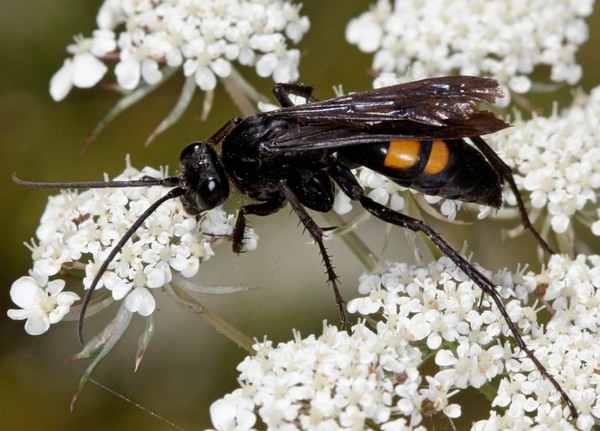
x=263, y=209
x=283, y=91
x=224, y=131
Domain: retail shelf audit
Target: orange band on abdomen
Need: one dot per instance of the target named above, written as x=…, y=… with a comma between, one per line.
x=402, y=154
x=438, y=158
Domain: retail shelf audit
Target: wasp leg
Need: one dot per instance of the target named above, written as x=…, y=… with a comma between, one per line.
x=481, y=280
x=282, y=93
x=317, y=234
x=506, y=173
x=224, y=131
x=263, y=209
x=347, y=182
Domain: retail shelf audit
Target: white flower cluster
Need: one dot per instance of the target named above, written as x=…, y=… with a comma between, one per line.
x=79, y=229
x=557, y=160
x=202, y=36
x=569, y=345
x=40, y=307
x=335, y=381
x=505, y=39
x=374, y=378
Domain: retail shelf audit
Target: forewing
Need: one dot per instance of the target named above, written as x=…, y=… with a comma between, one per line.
x=323, y=138
x=438, y=107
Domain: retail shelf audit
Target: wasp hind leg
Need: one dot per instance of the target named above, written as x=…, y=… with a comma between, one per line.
x=402, y=220
x=347, y=182
x=506, y=173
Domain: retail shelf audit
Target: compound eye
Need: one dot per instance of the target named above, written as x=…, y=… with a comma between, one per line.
x=211, y=193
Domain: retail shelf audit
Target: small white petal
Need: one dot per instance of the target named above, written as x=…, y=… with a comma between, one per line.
x=140, y=300
x=453, y=411
x=342, y=204
x=174, y=58
x=222, y=414
x=103, y=42
x=520, y=84
x=445, y=358
x=118, y=286
x=266, y=65
x=55, y=287
x=157, y=276
x=37, y=324
x=26, y=292
x=397, y=202
x=150, y=71
x=221, y=67
x=61, y=82
x=190, y=67
x=128, y=74
x=365, y=33
x=206, y=79
x=560, y=223
x=87, y=70
x=379, y=195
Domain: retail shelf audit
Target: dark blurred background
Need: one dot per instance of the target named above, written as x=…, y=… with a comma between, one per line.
x=187, y=365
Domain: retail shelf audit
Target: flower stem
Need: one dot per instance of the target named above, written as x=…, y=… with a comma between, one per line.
x=218, y=323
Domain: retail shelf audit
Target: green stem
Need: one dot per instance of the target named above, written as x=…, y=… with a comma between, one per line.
x=218, y=323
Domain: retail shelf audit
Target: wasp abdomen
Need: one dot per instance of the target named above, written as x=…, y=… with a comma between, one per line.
x=450, y=168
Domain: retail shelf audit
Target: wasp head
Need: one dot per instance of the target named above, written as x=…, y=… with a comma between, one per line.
x=203, y=178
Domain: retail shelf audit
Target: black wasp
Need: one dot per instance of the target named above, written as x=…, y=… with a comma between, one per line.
x=413, y=133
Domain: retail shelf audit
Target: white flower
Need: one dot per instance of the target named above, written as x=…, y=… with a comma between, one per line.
x=233, y=412
x=141, y=301
x=40, y=306
x=558, y=163
x=79, y=229
x=281, y=64
x=85, y=69
x=377, y=376
x=367, y=30
x=206, y=37
x=500, y=38
x=333, y=381
x=129, y=72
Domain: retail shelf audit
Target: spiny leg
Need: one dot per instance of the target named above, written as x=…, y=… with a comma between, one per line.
x=263, y=209
x=481, y=280
x=317, y=234
x=349, y=185
x=506, y=173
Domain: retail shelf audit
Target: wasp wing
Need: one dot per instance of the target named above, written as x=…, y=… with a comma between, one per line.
x=439, y=103
x=317, y=136
x=322, y=138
